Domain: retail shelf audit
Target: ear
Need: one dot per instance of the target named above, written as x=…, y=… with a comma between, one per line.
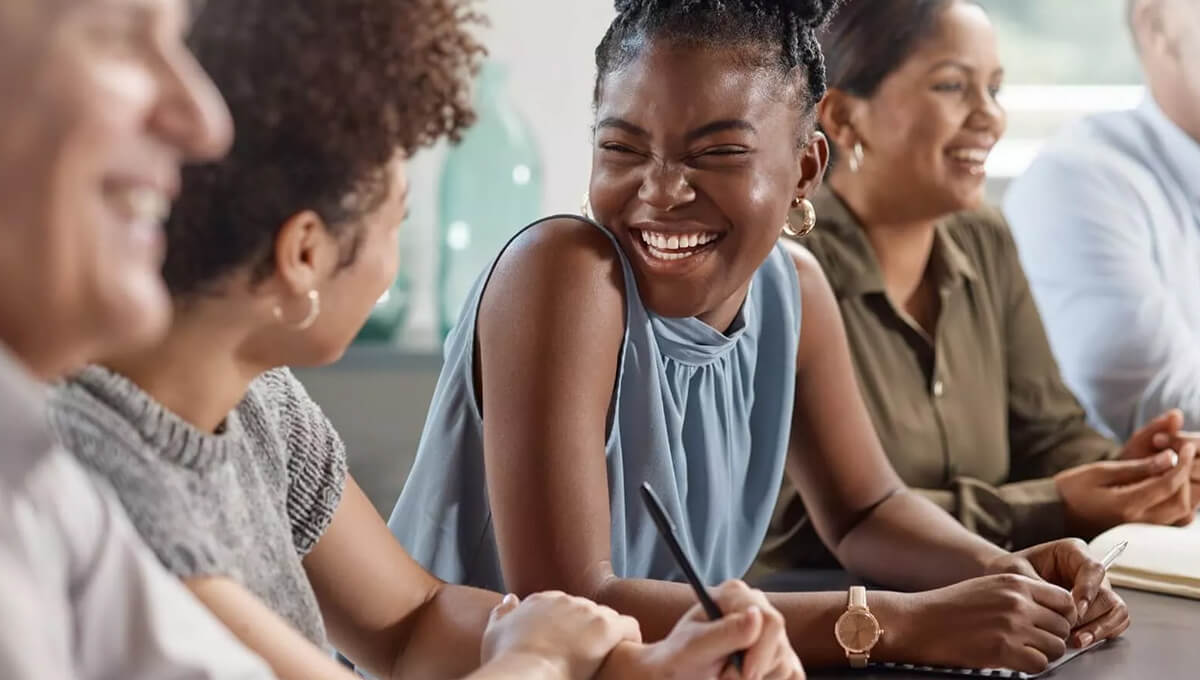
x=838, y=112
x=305, y=252
x=813, y=161
x=1153, y=31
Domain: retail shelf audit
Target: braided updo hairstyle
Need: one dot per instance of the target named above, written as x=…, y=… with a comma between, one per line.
x=776, y=34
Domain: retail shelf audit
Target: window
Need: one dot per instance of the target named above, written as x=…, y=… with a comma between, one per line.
x=1065, y=42
x=1063, y=59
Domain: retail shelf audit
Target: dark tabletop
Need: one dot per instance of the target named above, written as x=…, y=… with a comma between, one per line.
x=1162, y=644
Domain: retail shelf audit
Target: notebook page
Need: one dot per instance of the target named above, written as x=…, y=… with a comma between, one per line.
x=985, y=672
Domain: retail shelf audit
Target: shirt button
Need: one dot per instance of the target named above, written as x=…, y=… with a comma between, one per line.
x=938, y=388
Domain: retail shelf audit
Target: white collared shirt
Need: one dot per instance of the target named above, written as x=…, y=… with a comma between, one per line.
x=1106, y=222
x=80, y=596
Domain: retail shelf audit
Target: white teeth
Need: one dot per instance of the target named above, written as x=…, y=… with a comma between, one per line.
x=970, y=155
x=664, y=255
x=662, y=244
x=144, y=204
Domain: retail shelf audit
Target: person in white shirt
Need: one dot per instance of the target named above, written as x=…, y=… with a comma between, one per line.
x=101, y=104
x=1106, y=220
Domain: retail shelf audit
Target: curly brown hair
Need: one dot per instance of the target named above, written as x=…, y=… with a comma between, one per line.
x=323, y=93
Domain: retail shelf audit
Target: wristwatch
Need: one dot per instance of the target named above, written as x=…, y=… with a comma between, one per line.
x=857, y=630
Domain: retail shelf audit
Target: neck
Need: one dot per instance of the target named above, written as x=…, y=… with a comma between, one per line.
x=722, y=317
x=901, y=240
x=1177, y=104
x=197, y=372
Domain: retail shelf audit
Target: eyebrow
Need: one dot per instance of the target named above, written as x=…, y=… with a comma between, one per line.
x=961, y=66
x=952, y=62
x=700, y=132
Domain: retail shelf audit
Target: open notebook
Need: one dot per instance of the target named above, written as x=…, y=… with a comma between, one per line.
x=984, y=672
x=1158, y=559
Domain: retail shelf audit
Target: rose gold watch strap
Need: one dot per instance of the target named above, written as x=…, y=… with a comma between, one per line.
x=858, y=660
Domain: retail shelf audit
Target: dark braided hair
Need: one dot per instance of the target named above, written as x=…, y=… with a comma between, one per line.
x=777, y=34
x=323, y=94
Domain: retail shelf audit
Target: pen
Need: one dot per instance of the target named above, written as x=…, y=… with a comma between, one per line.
x=1113, y=554
x=666, y=529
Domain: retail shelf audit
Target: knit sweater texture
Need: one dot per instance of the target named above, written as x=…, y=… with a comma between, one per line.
x=246, y=503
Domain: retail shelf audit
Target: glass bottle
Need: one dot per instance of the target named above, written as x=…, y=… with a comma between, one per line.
x=491, y=186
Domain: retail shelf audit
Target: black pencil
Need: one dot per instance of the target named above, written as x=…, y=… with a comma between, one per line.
x=666, y=529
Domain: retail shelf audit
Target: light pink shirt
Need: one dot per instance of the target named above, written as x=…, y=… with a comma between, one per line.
x=81, y=596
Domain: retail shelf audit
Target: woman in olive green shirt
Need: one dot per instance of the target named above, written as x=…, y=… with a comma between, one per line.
x=948, y=345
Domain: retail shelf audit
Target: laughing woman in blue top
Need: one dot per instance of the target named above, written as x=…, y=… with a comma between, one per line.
x=665, y=347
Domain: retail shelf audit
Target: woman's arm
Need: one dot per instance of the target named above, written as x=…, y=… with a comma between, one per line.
x=383, y=611
x=290, y=655
x=395, y=620
x=859, y=506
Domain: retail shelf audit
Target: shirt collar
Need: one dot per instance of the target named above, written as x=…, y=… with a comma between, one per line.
x=1180, y=151
x=25, y=435
x=857, y=270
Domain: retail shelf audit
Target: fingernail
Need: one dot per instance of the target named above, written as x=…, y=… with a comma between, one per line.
x=509, y=599
x=1085, y=639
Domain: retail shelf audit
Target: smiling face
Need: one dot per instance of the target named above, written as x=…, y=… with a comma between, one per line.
x=928, y=129
x=697, y=160
x=102, y=104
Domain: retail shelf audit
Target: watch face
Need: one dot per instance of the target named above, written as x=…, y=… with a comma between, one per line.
x=857, y=631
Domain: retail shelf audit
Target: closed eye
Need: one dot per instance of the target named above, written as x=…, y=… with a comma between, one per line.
x=948, y=87
x=616, y=148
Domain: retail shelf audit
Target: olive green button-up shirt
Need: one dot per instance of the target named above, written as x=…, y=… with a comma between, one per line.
x=974, y=417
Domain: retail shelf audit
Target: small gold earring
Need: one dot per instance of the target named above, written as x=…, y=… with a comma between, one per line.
x=314, y=310
x=856, y=157
x=806, y=208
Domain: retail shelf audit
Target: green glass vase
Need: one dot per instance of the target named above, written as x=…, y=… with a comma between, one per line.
x=491, y=186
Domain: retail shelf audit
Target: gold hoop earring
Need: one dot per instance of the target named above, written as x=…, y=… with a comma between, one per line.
x=856, y=157
x=314, y=310
x=585, y=207
x=806, y=208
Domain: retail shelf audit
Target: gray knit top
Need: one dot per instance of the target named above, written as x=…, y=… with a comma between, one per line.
x=247, y=503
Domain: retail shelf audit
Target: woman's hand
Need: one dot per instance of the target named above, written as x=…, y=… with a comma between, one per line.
x=997, y=621
x=568, y=636
x=1102, y=613
x=699, y=648
x=1153, y=490
x=1154, y=436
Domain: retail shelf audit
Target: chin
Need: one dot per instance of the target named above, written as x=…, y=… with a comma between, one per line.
x=140, y=320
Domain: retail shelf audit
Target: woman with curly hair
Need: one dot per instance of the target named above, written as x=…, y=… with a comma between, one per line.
x=662, y=343
x=228, y=469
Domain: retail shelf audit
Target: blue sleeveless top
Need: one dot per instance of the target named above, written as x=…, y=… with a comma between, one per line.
x=703, y=416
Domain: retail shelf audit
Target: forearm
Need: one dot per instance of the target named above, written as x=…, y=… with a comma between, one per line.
x=910, y=543
x=810, y=617
x=517, y=667
x=445, y=637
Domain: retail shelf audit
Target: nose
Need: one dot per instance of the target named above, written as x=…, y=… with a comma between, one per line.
x=191, y=115
x=987, y=114
x=665, y=187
